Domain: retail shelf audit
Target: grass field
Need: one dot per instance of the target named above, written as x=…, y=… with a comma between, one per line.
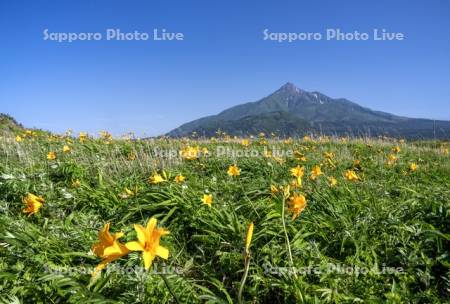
x=335, y=220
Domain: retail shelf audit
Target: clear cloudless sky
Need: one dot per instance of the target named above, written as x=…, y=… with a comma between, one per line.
x=151, y=86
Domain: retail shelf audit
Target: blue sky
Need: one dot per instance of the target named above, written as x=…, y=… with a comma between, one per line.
x=151, y=87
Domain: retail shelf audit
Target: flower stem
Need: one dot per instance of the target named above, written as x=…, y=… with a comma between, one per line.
x=163, y=276
x=244, y=277
x=291, y=261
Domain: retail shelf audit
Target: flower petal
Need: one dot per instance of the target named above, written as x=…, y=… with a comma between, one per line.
x=98, y=249
x=104, y=235
x=162, y=252
x=162, y=231
x=141, y=234
x=148, y=259
x=112, y=250
x=118, y=235
x=134, y=246
x=151, y=225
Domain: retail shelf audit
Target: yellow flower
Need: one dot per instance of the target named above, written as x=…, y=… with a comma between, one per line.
x=396, y=149
x=179, y=178
x=413, y=167
x=190, y=153
x=207, y=199
x=32, y=203
x=105, y=135
x=391, y=159
x=245, y=142
x=278, y=160
x=297, y=172
x=156, y=179
x=297, y=205
x=108, y=248
x=18, y=138
x=330, y=162
x=234, y=170
x=332, y=181
x=267, y=154
x=299, y=156
x=76, y=183
x=205, y=151
x=248, y=238
x=445, y=151
x=66, y=149
x=52, y=137
x=329, y=155
x=315, y=172
x=350, y=175
x=128, y=193
x=262, y=141
x=51, y=155
x=148, y=242
x=274, y=189
x=82, y=136
x=288, y=141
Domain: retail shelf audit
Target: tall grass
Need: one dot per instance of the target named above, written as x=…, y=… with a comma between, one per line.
x=392, y=218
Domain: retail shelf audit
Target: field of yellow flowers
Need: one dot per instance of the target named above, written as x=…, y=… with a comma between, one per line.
x=224, y=220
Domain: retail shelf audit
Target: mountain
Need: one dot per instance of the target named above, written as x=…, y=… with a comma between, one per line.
x=290, y=111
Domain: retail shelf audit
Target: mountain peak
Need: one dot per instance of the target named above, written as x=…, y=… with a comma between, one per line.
x=290, y=88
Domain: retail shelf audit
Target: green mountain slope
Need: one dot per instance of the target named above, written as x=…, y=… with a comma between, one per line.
x=279, y=122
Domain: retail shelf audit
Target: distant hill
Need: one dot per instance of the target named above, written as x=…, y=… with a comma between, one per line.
x=8, y=123
x=290, y=111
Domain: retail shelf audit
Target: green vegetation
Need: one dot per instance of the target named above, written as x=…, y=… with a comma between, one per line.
x=394, y=221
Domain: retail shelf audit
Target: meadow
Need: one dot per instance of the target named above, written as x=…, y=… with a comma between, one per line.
x=89, y=219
